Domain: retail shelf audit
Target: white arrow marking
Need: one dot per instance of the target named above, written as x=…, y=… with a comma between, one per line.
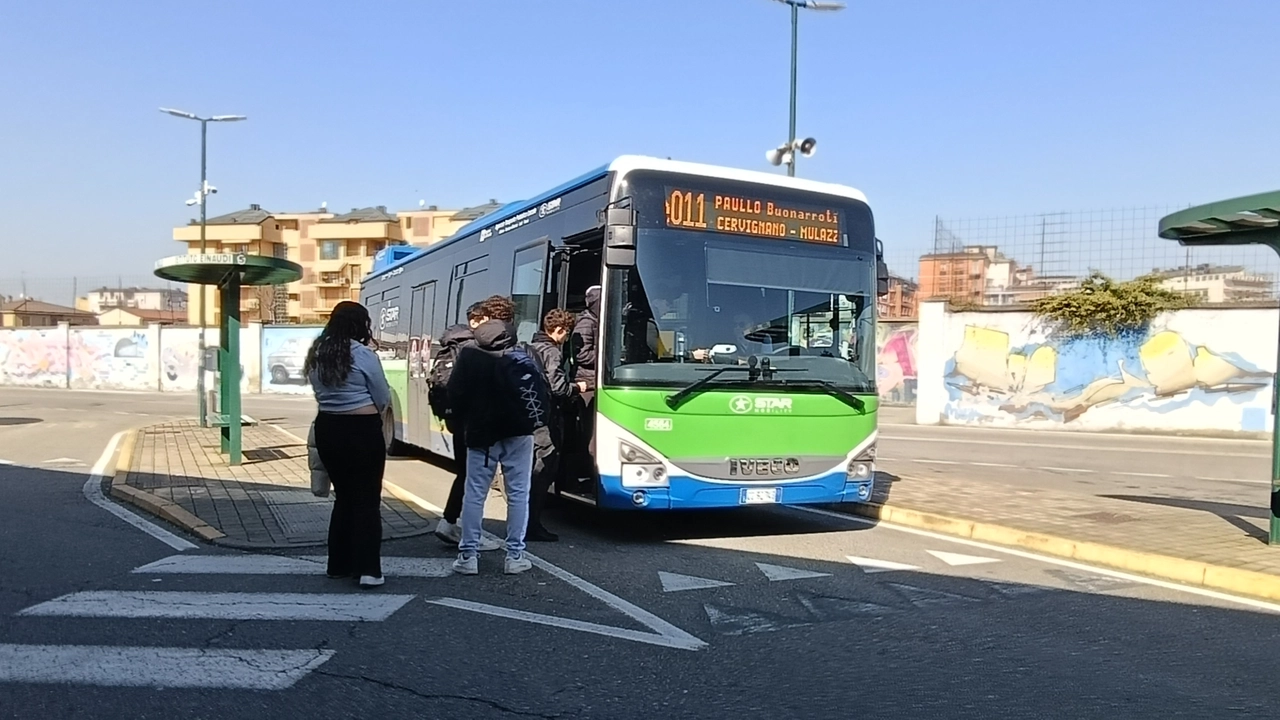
x=64, y=461
x=780, y=572
x=671, y=582
x=954, y=559
x=871, y=565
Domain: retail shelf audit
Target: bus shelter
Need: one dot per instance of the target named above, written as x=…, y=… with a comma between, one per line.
x=229, y=272
x=1250, y=220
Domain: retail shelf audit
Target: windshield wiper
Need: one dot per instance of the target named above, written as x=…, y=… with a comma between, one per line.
x=832, y=389
x=675, y=399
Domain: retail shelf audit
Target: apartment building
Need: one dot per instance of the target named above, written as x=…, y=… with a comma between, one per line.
x=138, y=298
x=900, y=303
x=958, y=275
x=1219, y=283
x=335, y=251
x=28, y=313
x=252, y=231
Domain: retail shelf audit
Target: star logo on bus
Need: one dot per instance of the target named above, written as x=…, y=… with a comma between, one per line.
x=740, y=404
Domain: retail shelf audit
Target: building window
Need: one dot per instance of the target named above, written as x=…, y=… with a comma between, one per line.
x=330, y=249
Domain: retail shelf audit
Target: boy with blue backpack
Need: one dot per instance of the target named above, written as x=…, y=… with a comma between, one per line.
x=501, y=395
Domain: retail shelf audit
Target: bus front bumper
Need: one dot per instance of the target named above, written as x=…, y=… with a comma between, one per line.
x=686, y=493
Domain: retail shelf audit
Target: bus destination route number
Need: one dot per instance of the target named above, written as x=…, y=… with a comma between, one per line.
x=716, y=212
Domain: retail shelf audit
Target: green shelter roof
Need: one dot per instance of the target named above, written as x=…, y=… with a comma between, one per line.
x=210, y=269
x=1242, y=220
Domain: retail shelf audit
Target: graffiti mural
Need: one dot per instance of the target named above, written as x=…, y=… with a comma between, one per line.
x=1157, y=379
x=110, y=359
x=180, y=358
x=896, y=363
x=33, y=358
x=284, y=349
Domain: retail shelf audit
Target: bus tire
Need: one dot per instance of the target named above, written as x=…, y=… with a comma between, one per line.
x=393, y=446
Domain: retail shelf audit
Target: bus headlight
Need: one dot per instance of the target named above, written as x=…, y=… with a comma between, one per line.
x=640, y=469
x=863, y=467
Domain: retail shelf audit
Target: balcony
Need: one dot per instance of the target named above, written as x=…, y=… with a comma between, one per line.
x=354, y=231
x=223, y=233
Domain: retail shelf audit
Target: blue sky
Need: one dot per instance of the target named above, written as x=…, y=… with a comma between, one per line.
x=958, y=108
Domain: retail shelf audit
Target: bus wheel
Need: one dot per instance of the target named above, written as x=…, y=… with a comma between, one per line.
x=393, y=446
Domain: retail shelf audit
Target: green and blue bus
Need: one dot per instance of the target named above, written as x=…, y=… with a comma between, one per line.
x=736, y=357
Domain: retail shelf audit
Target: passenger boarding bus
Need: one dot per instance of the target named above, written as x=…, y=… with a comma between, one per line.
x=736, y=357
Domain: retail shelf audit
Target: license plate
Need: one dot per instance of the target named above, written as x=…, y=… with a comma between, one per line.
x=759, y=496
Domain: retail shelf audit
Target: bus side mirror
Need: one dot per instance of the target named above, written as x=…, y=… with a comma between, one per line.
x=882, y=271
x=620, y=238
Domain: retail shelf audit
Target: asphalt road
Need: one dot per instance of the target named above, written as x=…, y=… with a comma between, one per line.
x=743, y=614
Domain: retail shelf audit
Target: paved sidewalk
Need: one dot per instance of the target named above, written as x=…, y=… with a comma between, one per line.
x=1212, y=544
x=176, y=471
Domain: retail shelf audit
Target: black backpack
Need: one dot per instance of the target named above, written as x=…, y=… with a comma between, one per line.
x=522, y=397
x=438, y=381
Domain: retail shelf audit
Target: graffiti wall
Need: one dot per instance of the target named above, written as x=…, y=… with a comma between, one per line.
x=284, y=349
x=180, y=358
x=116, y=359
x=896, y=363
x=1194, y=370
x=34, y=358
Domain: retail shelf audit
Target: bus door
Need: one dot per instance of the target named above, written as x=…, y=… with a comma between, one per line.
x=418, y=418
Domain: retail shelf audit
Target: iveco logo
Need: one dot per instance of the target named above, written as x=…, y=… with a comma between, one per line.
x=764, y=466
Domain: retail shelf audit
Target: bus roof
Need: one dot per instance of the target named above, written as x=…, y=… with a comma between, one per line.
x=622, y=166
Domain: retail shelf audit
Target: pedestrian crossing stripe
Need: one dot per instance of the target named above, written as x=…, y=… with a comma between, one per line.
x=158, y=667
x=221, y=605
x=286, y=565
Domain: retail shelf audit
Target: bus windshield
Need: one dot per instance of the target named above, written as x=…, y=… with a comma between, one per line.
x=699, y=300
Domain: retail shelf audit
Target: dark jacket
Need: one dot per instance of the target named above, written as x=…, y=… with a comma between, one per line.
x=552, y=362
x=586, y=332
x=452, y=341
x=473, y=390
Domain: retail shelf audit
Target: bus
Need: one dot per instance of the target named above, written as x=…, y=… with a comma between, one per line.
x=736, y=357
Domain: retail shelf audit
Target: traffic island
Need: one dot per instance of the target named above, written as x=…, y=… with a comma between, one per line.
x=1198, y=544
x=177, y=472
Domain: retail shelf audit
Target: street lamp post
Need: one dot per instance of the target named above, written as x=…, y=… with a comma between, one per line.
x=788, y=151
x=201, y=199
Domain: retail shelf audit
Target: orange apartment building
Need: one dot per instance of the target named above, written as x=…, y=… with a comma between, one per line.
x=959, y=275
x=900, y=303
x=335, y=251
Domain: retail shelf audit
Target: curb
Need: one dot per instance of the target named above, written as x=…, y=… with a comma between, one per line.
x=1165, y=567
x=184, y=519
x=154, y=504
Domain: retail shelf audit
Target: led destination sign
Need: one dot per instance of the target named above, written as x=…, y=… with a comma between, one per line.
x=739, y=215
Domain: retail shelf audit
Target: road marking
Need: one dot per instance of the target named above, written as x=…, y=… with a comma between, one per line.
x=158, y=667
x=570, y=624
x=63, y=461
x=1095, y=448
x=1203, y=592
x=221, y=606
x=93, y=492
x=871, y=565
x=936, y=462
x=287, y=565
x=737, y=621
x=1138, y=474
x=954, y=559
x=999, y=465
x=1062, y=469
x=777, y=573
x=674, y=582
x=1236, y=480
x=679, y=638
x=7, y=462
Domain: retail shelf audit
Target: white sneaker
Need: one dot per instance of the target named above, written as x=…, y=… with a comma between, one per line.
x=516, y=565
x=448, y=532
x=488, y=543
x=467, y=564
x=369, y=581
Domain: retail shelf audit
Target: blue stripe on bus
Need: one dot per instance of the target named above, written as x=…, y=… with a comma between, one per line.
x=687, y=493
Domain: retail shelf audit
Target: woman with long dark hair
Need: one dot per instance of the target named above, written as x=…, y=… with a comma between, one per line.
x=352, y=394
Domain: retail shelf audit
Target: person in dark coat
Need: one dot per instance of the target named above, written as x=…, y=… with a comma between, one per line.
x=579, y=463
x=547, y=441
x=452, y=341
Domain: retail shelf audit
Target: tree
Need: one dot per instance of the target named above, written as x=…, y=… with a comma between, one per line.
x=1102, y=306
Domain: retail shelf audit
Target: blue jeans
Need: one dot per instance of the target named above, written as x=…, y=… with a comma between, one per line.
x=516, y=457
